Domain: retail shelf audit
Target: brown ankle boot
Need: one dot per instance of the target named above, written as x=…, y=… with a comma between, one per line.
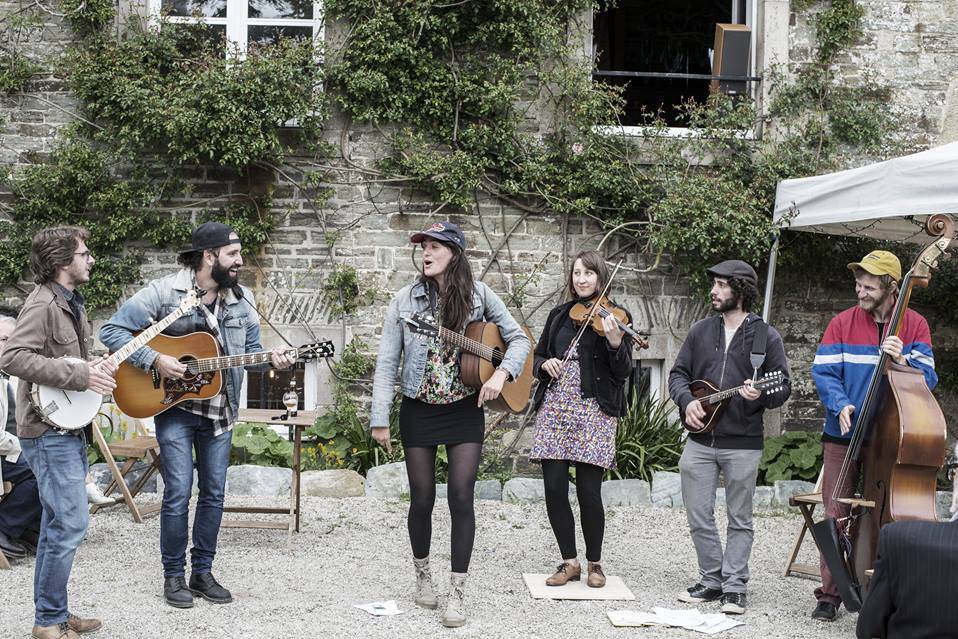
x=57, y=631
x=596, y=576
x=565, y=573
x=81, y=626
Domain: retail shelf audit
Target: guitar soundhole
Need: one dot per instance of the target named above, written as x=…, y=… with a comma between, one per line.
x=496, y=357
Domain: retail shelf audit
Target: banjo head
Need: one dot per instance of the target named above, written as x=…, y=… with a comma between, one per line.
x=66, y=409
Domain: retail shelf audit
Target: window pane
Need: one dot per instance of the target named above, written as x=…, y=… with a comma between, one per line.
x=188, y=8
x=266, y=389
x=663, y=36
x=302, y=9
x=260, y=35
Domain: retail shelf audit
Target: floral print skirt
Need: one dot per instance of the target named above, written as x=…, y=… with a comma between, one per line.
x=571, y=427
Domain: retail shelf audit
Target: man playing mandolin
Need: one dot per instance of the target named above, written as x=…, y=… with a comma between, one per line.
x=844, y=363
x=718, y=349
x=53, y=326
x=228, y=312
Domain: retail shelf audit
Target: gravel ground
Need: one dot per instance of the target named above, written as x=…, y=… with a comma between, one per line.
x=356, y=551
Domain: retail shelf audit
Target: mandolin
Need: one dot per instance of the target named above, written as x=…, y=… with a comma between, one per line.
x=712, y=399
x=482, y=349
x=140, y=393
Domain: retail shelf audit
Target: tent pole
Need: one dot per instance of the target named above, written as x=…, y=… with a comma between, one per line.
x=770, y=281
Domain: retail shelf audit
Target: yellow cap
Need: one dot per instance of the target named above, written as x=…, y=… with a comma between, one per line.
x=879, y=263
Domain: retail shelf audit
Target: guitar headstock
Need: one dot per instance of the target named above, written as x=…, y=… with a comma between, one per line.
x=316, y=350
x=773, y=382
x=190, y=301
x=422, y=324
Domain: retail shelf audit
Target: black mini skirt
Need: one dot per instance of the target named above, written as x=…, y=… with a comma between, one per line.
x=422, y=424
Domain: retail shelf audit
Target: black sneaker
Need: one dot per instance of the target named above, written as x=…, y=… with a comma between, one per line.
x=176, y=593
x=699, y=593
x=825, y=610
x=206, y=587
x=733, y=603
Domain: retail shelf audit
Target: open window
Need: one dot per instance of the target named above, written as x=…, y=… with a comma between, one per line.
x=661, y=37
x=247, y=22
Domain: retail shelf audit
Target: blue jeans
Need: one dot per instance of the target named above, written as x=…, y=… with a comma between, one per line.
x=59, y=462
x=179, y=433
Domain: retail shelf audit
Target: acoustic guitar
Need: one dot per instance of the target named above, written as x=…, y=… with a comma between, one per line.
x=712, y=399
x=482, y=349
x=141, y=394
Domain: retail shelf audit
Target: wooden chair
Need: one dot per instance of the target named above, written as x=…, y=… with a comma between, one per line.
x=806, y=503
x=140, y=446
x=5, y=490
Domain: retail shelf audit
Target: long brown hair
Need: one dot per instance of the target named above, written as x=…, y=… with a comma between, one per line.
x=53, y=248
x=457, y=297
x=593, y=261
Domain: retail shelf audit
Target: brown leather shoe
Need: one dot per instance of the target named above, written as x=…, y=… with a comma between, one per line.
x=58, y=631
x=596, y=576
x=565, y=573
x=81, y=626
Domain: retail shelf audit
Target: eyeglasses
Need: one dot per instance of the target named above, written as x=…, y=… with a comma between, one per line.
x=84, y=254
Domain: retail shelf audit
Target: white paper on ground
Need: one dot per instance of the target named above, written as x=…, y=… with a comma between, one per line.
x=380, y=608
x=688, y=619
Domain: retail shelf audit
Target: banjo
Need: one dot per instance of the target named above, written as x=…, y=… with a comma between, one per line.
x=72, y=410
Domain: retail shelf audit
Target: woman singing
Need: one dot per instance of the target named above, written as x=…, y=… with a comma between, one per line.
x=581, y=394
x=437, y=408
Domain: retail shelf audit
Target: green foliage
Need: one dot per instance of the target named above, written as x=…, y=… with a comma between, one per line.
x=15, y=70
x=792, y=455
x=649, y=439
x=343, y=293
x=259, y=444
x=175, y=91
x=89, y=16
x=837, y=28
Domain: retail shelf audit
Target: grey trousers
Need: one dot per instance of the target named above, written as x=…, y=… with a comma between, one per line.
x=699, y=467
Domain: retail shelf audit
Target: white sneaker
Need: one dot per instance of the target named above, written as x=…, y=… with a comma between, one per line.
x=95, y=496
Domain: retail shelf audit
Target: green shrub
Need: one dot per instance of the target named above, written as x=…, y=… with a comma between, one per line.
x=649, y=439
x=792, y=455
x=259, y=444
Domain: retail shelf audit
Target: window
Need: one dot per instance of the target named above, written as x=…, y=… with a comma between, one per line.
x=662, y=36
x=647, y=379
x=245, y=22
x=265, y=389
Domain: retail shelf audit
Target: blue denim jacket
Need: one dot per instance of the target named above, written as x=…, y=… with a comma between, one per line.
x=397, y=341
x=239, y=327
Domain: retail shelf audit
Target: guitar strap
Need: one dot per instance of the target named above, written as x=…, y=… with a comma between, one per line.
x=759, y=342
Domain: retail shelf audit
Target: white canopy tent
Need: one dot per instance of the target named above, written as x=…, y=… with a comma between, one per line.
x=888, y=200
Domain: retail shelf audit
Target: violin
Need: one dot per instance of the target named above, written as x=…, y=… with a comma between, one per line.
x=595, y=309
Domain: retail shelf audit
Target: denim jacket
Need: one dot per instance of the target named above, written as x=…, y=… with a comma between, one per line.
x=397, y=341
x=239, y=327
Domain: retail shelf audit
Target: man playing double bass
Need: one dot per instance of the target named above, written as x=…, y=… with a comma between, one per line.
x=844, y=363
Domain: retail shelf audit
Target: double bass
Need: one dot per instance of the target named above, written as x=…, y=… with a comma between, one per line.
x=899, y=440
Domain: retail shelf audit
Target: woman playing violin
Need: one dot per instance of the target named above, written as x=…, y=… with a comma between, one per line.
x=581, y=395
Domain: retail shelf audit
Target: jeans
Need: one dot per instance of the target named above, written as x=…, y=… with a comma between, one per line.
x=59, y=462
x=20, y=511
x=179, y=433
x=700, y=466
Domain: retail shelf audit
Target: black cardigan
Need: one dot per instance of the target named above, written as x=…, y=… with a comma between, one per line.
x=605, y=371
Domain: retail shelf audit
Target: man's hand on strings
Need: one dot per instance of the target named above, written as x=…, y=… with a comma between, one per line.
x=892, y=346
x=749, y=392
x=845, y=418
x=279, y=358
x=694, y=414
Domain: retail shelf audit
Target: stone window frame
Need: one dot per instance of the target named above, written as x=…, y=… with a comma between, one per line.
x=752, y=19
x=237, y=22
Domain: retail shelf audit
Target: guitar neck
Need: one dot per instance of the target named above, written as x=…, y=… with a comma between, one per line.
x=470, y=345
x=232, y=361
x=721, y=396
x=145, y=336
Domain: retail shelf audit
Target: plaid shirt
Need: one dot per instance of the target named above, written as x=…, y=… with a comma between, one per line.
x=218, y=408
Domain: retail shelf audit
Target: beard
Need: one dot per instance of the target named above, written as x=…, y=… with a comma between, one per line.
x=870, y=305
x=723, y=306
x=221, y=275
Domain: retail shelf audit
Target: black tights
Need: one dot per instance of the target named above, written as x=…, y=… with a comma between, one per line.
x=588, y=486
x=463, y=468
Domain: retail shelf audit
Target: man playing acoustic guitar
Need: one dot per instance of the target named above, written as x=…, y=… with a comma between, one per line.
x=718, y=349
x=53, y=326
x=228, y=312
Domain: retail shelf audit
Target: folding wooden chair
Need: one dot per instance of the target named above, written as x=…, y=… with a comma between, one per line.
x=806, y=503
x=140, y=446
x=5, y=489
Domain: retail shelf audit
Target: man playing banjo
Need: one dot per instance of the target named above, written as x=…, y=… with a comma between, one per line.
x=52, y=326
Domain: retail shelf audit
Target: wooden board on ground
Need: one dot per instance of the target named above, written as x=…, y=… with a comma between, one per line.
x=614, y=589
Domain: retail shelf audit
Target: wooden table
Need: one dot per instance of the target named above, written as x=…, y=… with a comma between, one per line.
x=303, y=420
